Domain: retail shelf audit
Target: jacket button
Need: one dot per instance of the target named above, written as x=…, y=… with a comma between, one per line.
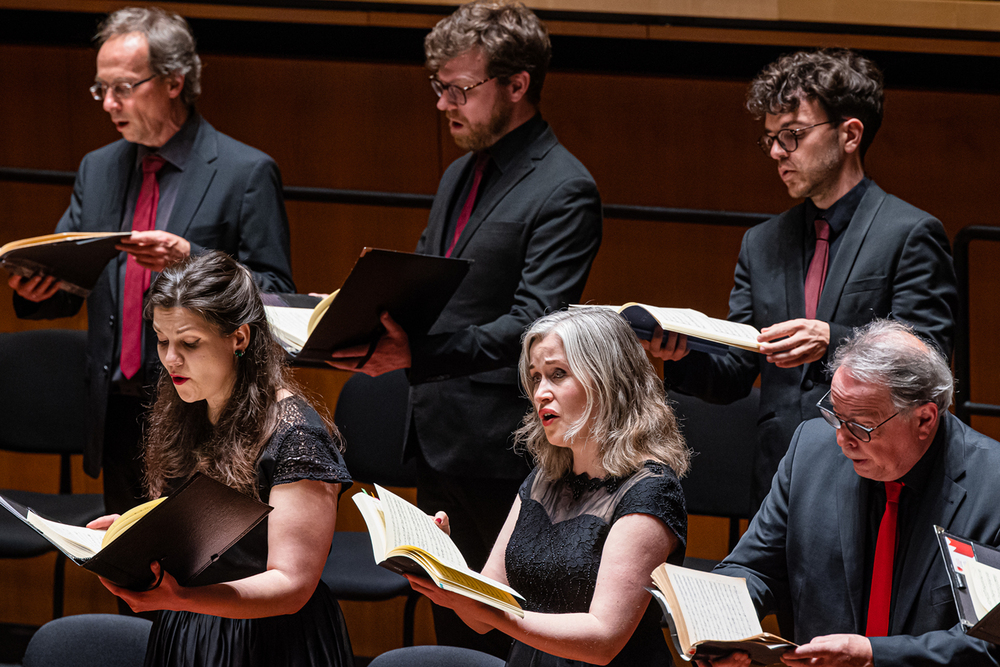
x=111, y=321
x=808, y=385
x=105, y=368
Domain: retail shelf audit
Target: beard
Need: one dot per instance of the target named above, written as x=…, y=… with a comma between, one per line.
x=483, y=135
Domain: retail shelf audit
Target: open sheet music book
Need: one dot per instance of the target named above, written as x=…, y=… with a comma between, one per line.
x=406, y=540
x=712, y=615
x=705, y=334
x=75, y=258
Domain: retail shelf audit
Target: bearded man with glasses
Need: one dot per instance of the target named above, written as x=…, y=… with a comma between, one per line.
x=845, y=540
x=846, y=255
x=180, y=187
x=529, y=215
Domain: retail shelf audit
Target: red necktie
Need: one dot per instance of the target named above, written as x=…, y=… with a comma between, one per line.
x=816, y=275
x=885, y=554
x=470, y=201
x=136, y=277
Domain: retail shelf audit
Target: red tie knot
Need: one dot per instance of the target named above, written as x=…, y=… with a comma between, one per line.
x=152, y=164
x=892, y=491
x=822, y=229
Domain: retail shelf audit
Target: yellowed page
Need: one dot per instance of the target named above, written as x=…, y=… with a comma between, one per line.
x=714, y=607
x=694, y=323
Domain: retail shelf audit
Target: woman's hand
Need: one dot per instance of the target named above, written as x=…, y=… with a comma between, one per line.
x=103, y=522
x=442, y=522
x=474, y=614
x=167, y=594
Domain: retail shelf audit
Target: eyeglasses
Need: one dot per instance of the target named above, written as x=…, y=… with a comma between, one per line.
x=787, y=139
x=862, y=433
x=121, y=90
x=456, y=94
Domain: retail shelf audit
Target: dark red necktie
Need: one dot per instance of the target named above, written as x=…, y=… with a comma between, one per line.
x=816, y=275
x=470, y=201
x=885, y=554
x=137, y=277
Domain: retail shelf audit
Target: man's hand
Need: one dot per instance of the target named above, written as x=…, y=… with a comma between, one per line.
x=671, y=349
x=802, y=341
x=155, y=250
x=832, y=650
x=37, y=288
x=392, y=352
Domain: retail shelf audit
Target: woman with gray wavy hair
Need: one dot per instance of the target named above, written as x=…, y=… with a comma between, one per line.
x=601, y=509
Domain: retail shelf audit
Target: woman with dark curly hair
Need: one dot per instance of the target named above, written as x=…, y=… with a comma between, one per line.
x=226, y=407
x=601, y=509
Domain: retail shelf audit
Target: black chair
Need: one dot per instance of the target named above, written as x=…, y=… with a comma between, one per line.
x=724, y=439
x=435, y=656
x=371, y=415
x=44, y=400
x=90, y=640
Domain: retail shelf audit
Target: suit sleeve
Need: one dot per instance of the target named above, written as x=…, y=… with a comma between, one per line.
x=942, y=647
x=760, y=556
x=264, y=242
x=564, y=240
x=925, y=289
x=61, y=304
x=716, y=378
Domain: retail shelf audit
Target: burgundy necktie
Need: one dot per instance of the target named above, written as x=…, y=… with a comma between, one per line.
x=137, y=277
x=816, y=275
x=885, y=554
x=470, y=201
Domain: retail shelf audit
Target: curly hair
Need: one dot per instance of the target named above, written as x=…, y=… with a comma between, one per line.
x=626, y=407
x=180, y=439
x=509, y=34
x=171, y=43
x=843, y=83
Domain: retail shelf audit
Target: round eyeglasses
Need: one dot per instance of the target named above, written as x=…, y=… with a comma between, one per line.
x=862, y=433
x=787, y=139
x=456, y=94
x=121, y=90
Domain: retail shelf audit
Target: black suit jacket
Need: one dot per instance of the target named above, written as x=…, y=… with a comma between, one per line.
x=229, y=199
x=894, y=261
x=533, y=236
x=804, y=550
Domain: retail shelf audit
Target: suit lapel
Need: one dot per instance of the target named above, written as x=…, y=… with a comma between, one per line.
x=513, y=175
x=789, y=250
x=847, y=252
x=195, y=180
x=940, y=502
x=852, y=498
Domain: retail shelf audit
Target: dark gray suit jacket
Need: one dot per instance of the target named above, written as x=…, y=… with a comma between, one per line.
x=229, y=199
x=533, y=238
x=804, y=550
x=894, y=261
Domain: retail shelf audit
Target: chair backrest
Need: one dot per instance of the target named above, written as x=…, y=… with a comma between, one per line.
x=724, y=438
x=371, y=415
x=43, y=392
x=435, y=656
x=89, y=640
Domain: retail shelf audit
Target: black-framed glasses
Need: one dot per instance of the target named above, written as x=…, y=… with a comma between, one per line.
x=787, y=139
x=862, y=433
x=121, y=90
x=456, y=94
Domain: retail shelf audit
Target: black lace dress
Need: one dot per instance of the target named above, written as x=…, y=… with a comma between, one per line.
x=301, y=448
x=555, y=550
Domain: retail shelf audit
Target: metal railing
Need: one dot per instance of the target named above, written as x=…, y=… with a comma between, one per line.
x=409, y=200
x=965, y=408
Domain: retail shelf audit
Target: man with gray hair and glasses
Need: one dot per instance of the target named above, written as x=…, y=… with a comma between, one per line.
x=180, y=187
x=847, y=254
x=529, y=215
x=845, y=539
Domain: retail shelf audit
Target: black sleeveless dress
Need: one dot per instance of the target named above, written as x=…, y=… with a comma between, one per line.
x=301, y=448
x=554, y=553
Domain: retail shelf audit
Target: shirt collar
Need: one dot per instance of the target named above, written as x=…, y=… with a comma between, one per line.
x=178, y=147
x=510, y=145
x=839, y=214
x=916, y=477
